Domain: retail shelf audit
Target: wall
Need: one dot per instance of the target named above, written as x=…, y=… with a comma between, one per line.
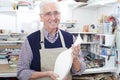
x=107, y=10
x=29, y=19
x=8, y=21
x=84, y=16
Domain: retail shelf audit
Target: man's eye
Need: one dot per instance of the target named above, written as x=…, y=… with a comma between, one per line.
x=48, y=14
x=56, y=13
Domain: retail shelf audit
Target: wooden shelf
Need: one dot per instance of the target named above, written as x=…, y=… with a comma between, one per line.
x=6, y=68
x=10, y=46
x=7, y=71
x=11, y=42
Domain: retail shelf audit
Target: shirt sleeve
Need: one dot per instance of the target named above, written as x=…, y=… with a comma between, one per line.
x=82, y=63
x=25, y=58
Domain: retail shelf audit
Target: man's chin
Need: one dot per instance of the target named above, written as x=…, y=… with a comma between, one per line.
x=53, y=27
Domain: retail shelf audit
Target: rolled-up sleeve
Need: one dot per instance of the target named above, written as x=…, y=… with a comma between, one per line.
x=82, y=65
x=25, y=58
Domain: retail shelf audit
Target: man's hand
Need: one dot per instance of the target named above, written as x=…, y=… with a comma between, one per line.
x=52, y=75
x=76, y=63
x=75, y=51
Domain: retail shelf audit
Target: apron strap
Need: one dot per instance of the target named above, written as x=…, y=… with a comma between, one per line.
x=62, y=39
x=42, y=39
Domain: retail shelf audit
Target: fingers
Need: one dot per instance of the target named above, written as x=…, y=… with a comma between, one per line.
x=53, y=75
x=65, y=78
x=75, y=50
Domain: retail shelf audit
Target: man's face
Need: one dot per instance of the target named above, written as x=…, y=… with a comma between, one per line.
x=50, y=16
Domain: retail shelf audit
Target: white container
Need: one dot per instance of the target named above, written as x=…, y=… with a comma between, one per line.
x=109, y=40
x=118, y=39
x=107, y=28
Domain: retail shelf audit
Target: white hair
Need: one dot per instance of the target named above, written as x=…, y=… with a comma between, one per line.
x=45, y=2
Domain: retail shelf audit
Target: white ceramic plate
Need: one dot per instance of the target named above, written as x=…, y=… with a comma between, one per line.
x=63, y=64
x=64, y=61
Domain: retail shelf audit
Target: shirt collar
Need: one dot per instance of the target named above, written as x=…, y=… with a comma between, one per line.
x=49, y=37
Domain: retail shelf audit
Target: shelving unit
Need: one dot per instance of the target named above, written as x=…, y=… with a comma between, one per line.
x=69, y=23
x=8, y=12
x=100, y=3
x=106, y=39
x=103, y=42
x=88, y=37
x=92, y=48
x=11, y=38
x=11, y=74
x=100, y=70
x=10, y=45
x=99, y=66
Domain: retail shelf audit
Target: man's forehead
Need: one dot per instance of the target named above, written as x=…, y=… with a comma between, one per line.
x=49, y=8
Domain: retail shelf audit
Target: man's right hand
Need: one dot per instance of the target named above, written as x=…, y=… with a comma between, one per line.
x=52, y=75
